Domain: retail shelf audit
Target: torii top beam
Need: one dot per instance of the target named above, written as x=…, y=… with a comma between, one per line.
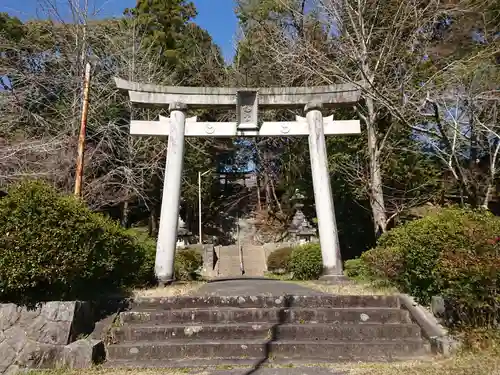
x=144, y=94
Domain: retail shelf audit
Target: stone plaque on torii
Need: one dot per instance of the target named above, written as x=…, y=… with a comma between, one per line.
x=247, y=103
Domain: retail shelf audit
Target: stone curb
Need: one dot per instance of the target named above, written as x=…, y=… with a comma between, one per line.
x=439, y=338
x=237, y=278
x=291, y=301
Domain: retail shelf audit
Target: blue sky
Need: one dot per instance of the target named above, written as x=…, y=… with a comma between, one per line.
x=216, y=16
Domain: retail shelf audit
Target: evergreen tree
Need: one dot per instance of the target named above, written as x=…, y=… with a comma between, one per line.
x=163, y=22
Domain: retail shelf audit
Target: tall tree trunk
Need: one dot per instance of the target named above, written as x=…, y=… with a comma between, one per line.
x=491, y=178
x=153, y=223
x=487, y=196
x=125, y=214
x=474, y=199
x=273, y=190
x=376, y=190
x=259, y=198
x=268, y=196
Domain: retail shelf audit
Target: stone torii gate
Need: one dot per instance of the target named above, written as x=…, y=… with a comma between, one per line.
x=247, y=102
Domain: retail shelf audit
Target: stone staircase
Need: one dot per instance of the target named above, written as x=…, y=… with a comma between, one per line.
x=254, y=256
x=229, y=259
x=214, y=331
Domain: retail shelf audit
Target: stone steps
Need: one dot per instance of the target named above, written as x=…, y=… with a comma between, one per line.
x=247, y=365
x=254, y=261
x=219, y=365
x=188, y=363
x=311, y=301
x=218, y=329
x=270, y=315
x=319, y=350
x=263, y=331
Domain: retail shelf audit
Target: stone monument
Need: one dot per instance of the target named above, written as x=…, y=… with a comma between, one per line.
x=300, y=229
x=183, y=234
x=247, y=103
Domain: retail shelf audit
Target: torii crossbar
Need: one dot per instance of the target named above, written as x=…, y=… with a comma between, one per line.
x=247, y=102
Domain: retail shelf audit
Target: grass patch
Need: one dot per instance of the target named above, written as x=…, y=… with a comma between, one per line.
x=351, y=288
x=174, y=290
x=354, y=287
x=111, y=371
x=281, y=277
x=481, y=363
x=485, y=363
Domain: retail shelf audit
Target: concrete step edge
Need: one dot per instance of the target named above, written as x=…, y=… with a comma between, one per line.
x=205, y=363
x=178, y=342
x=286, y=309
x=239, y=301
x=263, y=324
x=321, y=295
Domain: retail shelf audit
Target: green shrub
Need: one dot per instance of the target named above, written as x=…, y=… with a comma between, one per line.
x=187, y=264
x=453, y=253
x=306, y=262
x=356, y=269
x=279, y=260
x=147, y=246
x=383, y=262
x=52, y=247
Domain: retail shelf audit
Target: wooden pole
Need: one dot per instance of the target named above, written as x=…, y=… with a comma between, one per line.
x=83, y=131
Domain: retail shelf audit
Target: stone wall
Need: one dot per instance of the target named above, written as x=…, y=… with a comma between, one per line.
x=209, y=255
x=46, y=336
x=271, y=247
x=209, y=261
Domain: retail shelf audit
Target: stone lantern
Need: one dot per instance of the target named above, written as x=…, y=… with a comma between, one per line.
x=183, y=235
x=300, y=229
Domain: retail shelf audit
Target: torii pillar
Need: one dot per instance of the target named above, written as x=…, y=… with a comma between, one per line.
x=325, y=211
x=169, y=216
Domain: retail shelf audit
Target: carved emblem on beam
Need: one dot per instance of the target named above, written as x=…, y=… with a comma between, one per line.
x=247, y=110
x=209, y=128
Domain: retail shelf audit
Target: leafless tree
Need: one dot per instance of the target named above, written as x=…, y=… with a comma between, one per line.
x=379, y=46
x=40, y=123
x=50, y=125
x=462, y=126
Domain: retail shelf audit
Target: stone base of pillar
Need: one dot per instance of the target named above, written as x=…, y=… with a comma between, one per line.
x=334, y=271
x=165, y=282
x=333, y=276
x=334, y=279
